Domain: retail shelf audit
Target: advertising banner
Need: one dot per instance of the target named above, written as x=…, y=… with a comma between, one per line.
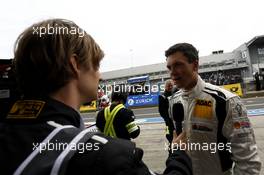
x=142, y=100
x=234, y=88
x=91, y=107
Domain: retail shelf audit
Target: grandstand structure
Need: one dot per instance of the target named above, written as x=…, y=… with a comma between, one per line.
x=238, y=66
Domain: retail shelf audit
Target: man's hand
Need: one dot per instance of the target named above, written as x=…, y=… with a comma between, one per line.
x=179, y=141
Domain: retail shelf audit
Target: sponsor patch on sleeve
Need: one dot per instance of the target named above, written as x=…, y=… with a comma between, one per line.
x=241, y=124
x=238, y=109
x=26, y=109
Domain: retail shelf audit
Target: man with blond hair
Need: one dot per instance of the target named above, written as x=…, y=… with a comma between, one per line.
x=43, y=133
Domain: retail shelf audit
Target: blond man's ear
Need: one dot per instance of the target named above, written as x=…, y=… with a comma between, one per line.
x=74, y=65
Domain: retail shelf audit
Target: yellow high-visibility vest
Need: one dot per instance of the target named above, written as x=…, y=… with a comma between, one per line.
x=109, y=129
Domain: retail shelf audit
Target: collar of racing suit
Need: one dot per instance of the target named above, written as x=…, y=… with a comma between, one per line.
x=196, y=90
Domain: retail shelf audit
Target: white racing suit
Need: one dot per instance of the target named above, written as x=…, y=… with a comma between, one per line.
x=220, y=138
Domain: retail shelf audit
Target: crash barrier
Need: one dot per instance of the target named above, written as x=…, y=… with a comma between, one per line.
x=91, y=107
x=151, y=99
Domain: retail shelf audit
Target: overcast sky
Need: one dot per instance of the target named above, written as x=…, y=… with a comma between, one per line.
x=137, y=32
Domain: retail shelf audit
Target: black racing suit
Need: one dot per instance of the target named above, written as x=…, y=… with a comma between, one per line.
x=31, y=121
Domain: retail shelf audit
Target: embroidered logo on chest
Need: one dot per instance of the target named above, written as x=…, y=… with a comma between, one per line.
x=26, y=109
x=203, y=109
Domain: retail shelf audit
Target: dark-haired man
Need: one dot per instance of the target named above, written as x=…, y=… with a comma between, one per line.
x=219, y=134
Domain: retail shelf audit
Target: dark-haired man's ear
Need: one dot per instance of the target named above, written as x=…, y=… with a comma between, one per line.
x=196, y=65
x=74, y=65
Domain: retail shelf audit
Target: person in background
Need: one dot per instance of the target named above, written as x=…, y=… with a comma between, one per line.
x=164, y=110
x=116, y=120
x=104, y=102
x=258, y=84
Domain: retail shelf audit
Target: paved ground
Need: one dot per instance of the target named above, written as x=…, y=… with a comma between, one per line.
x=152, y=140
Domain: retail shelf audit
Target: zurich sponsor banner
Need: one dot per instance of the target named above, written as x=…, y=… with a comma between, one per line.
x=142, y=100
